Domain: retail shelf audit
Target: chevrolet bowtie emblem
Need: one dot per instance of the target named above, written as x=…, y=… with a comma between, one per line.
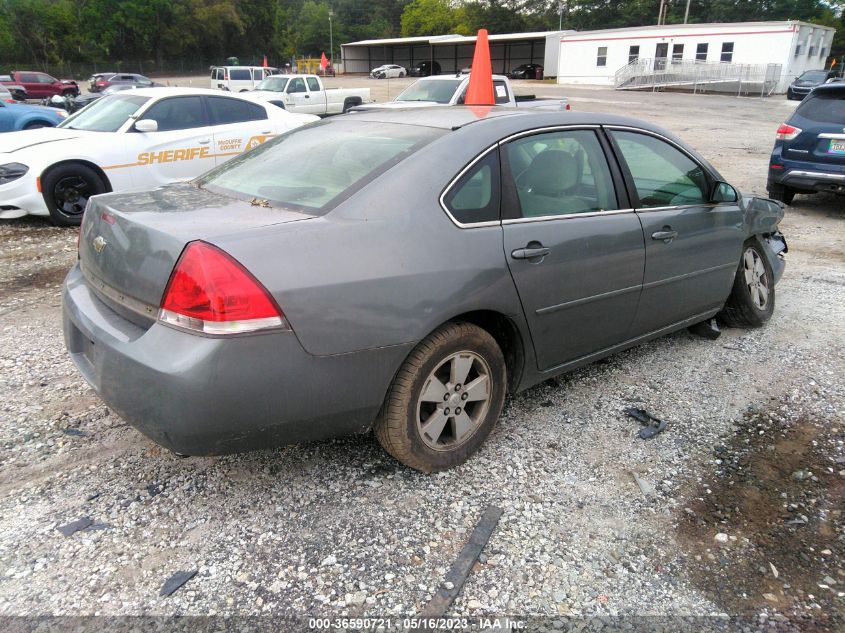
x=99, y=243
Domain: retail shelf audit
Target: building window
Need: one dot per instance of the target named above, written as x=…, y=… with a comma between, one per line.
x=677, y=53
x=701, y=52
x=601, y=57
x=727, y=51
x=812, y=51
x=633, y=54
x=798, y=50
x=823, y=53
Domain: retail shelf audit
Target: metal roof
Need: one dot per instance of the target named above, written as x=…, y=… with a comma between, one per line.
x=456, y=39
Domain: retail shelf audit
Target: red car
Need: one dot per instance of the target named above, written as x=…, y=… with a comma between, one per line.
x=41, y=85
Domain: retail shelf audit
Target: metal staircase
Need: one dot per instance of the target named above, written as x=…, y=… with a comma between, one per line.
x=660, y=73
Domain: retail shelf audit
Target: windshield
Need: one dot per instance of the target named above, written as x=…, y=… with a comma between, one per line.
x=813, y=75
x=314, y=167
x=276, y=84
x=824, y=107
x=437, y=90
x=106, y=114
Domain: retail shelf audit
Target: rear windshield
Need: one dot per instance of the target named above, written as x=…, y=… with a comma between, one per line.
x=240, y=74
x=814, y=75
x=276, y=84
x=106, y=114
x=824, y=107
x=315, y=167
x=437, y=90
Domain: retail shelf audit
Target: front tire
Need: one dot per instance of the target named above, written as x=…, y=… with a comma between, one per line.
x=752, y=299
x=35, y=125
x=67, y=189
x=445, y=399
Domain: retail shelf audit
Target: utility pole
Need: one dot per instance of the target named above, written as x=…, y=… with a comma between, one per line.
x=560, y=15
x=686, y=13
x=660, y=12
x=331, y=40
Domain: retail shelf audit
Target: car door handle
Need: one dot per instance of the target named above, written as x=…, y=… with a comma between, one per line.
x=204, y=141
x=307, y=96
x=266, y=131
x=530, y=253
x=667, y=235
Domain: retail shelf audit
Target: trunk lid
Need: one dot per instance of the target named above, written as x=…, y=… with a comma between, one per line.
x=129, y=243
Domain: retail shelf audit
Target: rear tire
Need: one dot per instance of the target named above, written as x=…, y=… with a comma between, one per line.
x=752, y=299
x=781, y=193
x=67, y=189
x=445, y=399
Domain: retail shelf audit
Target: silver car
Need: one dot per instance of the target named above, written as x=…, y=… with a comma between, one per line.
x=401, y=271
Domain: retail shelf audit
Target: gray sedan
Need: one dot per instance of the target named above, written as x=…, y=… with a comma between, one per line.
x=401, y=271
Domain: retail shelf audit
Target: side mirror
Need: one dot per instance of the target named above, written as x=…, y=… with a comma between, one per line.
x=146, y=125
x=723, y=192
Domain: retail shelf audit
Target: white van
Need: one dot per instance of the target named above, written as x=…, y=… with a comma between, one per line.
x=239, y=78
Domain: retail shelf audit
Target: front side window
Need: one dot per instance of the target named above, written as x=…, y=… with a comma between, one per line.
x=560, y=173
x=296, y=85
x=727, y=51
x=701, y=52
x=475, y=197
x=313, y=167
x=663, y=175
x=177, y=113
x=107, y=114
x=224, y=110
x=601, y=56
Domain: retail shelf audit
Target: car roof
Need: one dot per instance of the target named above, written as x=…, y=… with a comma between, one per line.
x=835, y=88
x=454, y=117
x=172, y=91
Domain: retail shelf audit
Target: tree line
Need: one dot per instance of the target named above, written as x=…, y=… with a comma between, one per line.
x=53, y=32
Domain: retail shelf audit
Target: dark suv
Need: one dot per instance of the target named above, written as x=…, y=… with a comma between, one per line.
x=809, y=153
x=424, y=69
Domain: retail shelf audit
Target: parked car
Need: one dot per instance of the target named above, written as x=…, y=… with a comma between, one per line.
x=6, y=95
x=239, y=78
x=424, y=69
x=22, y=116
x=809, y=151
x=83, y=100
x=388, y=71
x=94, y=79
x=102, y=82
x=307, y=94
x=809, y=79
x=450, y=90
x=341, y=303
x=41, y=85
x=134, y=139
x=527, y=71
x=18, y=92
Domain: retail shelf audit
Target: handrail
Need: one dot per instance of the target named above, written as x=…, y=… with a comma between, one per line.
x=700, y=75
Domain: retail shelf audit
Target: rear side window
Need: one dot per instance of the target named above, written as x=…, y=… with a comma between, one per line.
x=663, y=175
x=224, y=110
x=313, y=84
x=475, y=197
x=824, y=108
x=240, y=74
x=177, y=113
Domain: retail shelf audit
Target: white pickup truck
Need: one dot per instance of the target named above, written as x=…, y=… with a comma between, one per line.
x=305, y=94
x=448, y=90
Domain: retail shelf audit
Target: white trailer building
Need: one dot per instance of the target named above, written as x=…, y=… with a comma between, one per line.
x=688, y=54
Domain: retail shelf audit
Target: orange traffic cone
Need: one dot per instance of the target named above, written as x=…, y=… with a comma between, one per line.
x=480, y=89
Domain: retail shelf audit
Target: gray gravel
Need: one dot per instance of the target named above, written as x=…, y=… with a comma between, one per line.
x=338, y=528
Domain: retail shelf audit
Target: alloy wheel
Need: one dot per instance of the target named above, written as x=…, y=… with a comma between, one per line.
x=71, y=195
x=756, y=279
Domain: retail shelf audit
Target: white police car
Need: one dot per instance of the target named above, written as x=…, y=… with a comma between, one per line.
x=136, y=139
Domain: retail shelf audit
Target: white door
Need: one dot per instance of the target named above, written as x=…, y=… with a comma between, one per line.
x=302, y=100
x=181, y=149
x=238, y=126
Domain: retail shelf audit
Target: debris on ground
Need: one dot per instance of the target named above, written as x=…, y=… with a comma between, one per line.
x=175, y=581
x=73, y=527
x=706, y=329
x=653, y=425
x=646, y=487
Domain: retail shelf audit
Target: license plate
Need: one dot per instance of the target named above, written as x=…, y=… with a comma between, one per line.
x=836, y=147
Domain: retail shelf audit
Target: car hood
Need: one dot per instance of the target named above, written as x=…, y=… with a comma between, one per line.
x=16, y=141
x=266, y=94
x=805, y=83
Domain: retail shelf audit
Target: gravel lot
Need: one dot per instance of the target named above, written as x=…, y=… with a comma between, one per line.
x=739, y=511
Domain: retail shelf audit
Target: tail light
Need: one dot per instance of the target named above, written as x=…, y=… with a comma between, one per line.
x=209, y=292
x=787, y=132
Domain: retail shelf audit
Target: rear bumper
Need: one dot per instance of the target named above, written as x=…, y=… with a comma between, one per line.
x=809, y=179
x=205, y=396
